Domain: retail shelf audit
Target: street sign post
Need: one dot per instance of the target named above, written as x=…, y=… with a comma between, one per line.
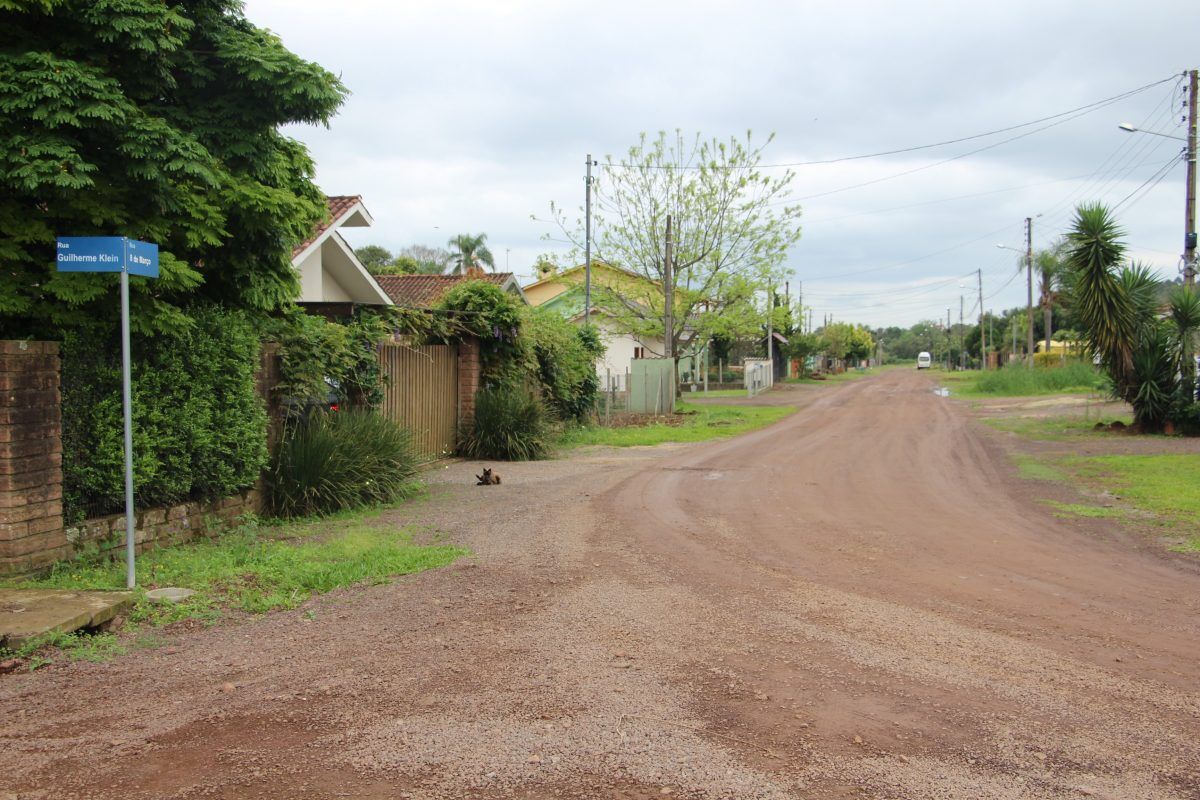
x=128, y=257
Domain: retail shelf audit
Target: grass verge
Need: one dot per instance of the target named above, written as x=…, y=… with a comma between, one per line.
x=1158, y=489
x=254, y=569
x=693, y=423
x=1162, y=485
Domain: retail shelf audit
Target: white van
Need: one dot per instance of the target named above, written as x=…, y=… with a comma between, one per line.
x=923, y=360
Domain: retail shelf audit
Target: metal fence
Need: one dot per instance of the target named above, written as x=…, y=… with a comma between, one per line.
x=421, y=393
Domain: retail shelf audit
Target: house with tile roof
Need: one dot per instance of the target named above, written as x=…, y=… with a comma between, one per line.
x=332, y=279
x=424, y=291
x=562, y=292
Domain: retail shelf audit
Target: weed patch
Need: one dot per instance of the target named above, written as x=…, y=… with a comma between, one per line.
x=1068, y=510
x=1052, y=428
x=1035, y=469
x=1019, y=381
x=255, y=569
x=693, y=423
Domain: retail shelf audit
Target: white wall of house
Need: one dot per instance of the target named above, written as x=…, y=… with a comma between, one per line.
x=620, y=349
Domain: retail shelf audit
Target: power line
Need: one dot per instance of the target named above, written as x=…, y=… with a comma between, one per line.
x=1084, y=108
x=1156, y=178
x=832, y=276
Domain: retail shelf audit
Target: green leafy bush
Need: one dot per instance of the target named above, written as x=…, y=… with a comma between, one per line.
x=314, y=350
x=332, y=461
x=493, y=316
x=510, y=425
x=199, y=426
x=564, y=360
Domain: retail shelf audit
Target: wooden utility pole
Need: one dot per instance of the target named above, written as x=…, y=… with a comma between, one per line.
x=587, y=242
x=982, y=332
x=771, y=327
x=962, y=347
x=1029, y=285
x=1189, y=243
x=948, y=340
x=668, y=299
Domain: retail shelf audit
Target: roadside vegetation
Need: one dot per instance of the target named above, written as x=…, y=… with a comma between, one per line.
x=1018, y=381
x=255, y=569
x=694, y=422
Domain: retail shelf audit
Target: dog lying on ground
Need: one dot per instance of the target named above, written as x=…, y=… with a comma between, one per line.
x=488, y=478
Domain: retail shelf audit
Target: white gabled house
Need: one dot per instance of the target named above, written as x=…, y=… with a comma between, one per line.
x=332, y=279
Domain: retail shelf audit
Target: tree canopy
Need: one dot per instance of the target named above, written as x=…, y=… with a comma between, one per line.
x=159, y=122
x=732, y=224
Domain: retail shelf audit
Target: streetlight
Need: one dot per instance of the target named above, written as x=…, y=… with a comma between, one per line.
x=1189, y=204
x=1131, y=128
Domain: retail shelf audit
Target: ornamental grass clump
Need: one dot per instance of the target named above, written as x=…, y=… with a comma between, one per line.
x=338, y=460
x=511, y=424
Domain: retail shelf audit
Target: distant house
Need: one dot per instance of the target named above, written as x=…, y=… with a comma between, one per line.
x=424, y=291
x=332, y=279
x=563, y=293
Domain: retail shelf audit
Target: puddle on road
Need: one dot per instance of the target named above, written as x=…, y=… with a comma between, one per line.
x=942, y=391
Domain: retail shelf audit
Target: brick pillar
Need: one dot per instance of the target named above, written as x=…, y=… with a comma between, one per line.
x=31, y=522
x=468, y=379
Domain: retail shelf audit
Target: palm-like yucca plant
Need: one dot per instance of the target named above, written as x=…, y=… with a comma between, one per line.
x=1147, y=356
x=1184, y=303
x=470, y=251
x=1094, y=249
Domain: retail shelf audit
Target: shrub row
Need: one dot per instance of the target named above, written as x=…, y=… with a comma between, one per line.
x=199, y=426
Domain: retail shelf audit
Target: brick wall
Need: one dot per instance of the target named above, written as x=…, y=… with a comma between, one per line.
x=468, y=378
x=162, y=526
x=32, y=535
x=31, y=530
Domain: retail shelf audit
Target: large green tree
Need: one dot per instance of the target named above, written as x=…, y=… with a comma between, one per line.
x=732, y=228
x=158, y=121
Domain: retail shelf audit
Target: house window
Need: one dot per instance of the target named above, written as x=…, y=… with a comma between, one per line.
x=639, y=352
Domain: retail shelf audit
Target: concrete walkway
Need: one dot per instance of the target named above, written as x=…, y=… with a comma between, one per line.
x=26, y=613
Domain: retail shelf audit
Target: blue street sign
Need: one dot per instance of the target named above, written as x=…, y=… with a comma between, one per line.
x=141, y=258
x=128, y=257
x=106, y=254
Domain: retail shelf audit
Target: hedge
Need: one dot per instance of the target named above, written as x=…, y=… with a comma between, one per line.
x=199, y=427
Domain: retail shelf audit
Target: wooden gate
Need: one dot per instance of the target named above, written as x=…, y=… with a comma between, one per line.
x=421, y=393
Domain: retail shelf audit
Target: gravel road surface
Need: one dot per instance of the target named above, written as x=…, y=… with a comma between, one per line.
x=861, y=601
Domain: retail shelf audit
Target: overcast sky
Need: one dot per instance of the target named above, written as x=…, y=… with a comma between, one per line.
x=473, y=116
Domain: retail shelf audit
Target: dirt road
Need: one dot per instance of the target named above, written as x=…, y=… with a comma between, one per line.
x=859, y=601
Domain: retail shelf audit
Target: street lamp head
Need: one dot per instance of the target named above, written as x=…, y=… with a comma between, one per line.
x=1127, y=126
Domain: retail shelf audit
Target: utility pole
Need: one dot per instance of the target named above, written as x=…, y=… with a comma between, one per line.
x=800, y=302
x=771, y=328
x=1189, y=236
x=587, y=242
x=962, y=355
x=982, y=333
x=668, y=299
x=948, y=340
x=1029, y=284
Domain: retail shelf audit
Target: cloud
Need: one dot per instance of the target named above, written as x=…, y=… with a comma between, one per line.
x=471, y=116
